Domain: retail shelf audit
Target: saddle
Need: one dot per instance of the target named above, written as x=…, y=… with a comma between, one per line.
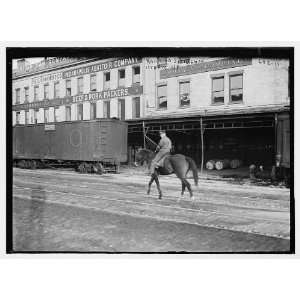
x=164, y=162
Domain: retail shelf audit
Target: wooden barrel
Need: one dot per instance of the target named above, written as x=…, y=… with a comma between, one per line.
x=210, y=165
x=222, y=164
x=235, y=163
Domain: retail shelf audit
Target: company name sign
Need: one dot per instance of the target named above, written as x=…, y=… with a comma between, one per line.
x=101, y=67
x=120, y=92
x=204, y=67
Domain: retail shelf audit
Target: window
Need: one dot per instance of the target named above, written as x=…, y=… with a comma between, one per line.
x=46, y=115
x=218, y=89
x=162, y=96
x=36, y=111
x=93, y=110
x=36, y=93
x=17, y=96
x=106, y=109
x=68, y=88
x=184, y=93
x=46, y=91
x=106, y=80
x=236, y=88
x=136, y=107
x=26, y=92
x=136, y=74
x=56, y=90
x=56, y=114
x=27, y=121
x=80, y=85
x=68, y=113
x=80, y=111
x=121, y=77
x=18, y=117
x=121, y=109
x=93, y=86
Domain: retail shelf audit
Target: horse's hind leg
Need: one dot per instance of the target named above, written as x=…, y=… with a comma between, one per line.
x=182, y=187
x=158, y=186
x=149, y=184
x=189, y=188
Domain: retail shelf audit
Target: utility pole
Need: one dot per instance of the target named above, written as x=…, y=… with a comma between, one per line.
x=144, y=135
x=202, y=144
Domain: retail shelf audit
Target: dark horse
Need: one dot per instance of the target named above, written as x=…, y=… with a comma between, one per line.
x=178, y=164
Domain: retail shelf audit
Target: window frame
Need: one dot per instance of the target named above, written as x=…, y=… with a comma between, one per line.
x=26, y=94
x=94, y=75
x=46, y=121
x=157, y=98
x=18, y=117
x=45, y=98
x=94, y=111
x=18, y=96
x=104, y=80
x=68, y=80
x=36, y=87
x=105, y=102
x=35, y=116
x=133, y=75
x=134, y=106
x=27, y=117
x=56, y=108
x=79, y=105
x=235, y=74
x=119, y=78
x=120, y=101
x=216, y=76
x=180, y=81
x=56, y=83
x=78, y=85
x=66, y=113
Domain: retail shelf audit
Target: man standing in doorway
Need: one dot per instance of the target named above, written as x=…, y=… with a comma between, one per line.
x=163, y=148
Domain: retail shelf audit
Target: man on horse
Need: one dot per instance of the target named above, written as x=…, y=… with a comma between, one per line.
x=163, y=148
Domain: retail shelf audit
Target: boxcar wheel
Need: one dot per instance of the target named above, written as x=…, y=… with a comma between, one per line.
x=98, y=168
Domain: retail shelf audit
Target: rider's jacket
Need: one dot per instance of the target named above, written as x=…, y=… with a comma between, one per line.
x=165, y=144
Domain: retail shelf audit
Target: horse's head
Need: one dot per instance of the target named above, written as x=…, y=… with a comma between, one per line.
x=143, y=155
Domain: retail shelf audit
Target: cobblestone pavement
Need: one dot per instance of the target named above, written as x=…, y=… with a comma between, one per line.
x=60, y=210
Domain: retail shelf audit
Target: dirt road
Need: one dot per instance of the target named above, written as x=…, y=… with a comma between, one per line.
x=60, y=210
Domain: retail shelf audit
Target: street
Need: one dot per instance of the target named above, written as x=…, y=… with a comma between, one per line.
x=61, y=210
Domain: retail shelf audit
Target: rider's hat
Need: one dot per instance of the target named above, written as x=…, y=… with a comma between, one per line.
x=162, y=131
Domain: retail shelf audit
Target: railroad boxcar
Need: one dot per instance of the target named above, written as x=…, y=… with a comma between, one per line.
x=88, y=145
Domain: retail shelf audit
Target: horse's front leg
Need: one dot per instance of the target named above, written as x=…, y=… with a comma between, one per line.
x=149, y=184
x=158, y=186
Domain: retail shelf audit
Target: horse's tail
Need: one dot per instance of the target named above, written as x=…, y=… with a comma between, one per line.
x=193, y=167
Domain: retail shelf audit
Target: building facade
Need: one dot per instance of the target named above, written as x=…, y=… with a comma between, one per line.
x=215, y=107
x=211, y=107
x=77, y=89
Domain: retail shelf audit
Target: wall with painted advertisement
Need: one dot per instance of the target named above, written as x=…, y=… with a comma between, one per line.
x=56, y=84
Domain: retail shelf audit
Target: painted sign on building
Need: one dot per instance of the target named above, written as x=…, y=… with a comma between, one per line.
x=104, y=66
x=120, y=92
x=204, y=67
x=46, y=78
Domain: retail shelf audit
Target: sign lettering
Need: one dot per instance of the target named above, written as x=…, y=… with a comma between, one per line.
x=120, y=92
x=100, y=67
x=204, y=67
x=46, y=78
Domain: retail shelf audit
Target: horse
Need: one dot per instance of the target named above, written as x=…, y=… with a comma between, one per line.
x=177, y=163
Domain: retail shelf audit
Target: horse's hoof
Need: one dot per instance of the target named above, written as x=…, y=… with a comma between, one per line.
x=148, y=192
x=159, y=197
x=192, y=198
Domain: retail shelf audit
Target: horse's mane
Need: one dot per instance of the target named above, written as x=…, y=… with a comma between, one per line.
x=146, y=150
